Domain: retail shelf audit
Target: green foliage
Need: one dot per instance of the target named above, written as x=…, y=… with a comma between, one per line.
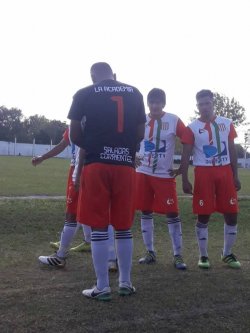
x=229, y=108
x=35, y=127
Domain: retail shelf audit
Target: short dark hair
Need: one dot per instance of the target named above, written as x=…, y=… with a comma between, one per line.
x=204, y=93
x=157, y=94
x=101, y=67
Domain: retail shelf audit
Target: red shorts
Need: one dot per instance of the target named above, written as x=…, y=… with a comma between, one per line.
x=214, y=190
x=107, y=196
x=71, y=194
x=155, y=194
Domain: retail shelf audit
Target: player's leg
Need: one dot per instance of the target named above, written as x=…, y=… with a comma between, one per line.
x=121, y=217
x=201, y=230
x=147, y=229
x=144, y=202
x=85, y=246
x=95, y=205
x=203, y=205
x=113, y=267
x=227, y=204
x=70, y=226
x=175, y=232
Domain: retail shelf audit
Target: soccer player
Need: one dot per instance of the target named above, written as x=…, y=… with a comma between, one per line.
x=70, y=225
x=211, y=138
x=155, y=187
x=115, y=123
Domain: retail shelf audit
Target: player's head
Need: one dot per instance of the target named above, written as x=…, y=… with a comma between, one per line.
x=156, y=100
x=205, y=104
x=101, y=71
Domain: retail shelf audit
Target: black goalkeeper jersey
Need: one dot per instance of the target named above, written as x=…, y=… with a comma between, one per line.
x=112, y=112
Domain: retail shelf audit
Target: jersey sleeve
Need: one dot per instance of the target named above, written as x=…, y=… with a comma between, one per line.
x=180, y=128
x=66, y=135
x=76, y=111
x=232, y=133
x=141, y=111
x=187, y=136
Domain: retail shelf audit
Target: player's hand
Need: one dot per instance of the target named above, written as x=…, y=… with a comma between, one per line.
x=36, y=160
x=187, y=187
x=175, y=172
x=77, y=184
x=138, y=159
x=237, y=184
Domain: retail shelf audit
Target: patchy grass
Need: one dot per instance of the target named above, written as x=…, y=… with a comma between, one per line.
x=36, y=299
x=20, y=178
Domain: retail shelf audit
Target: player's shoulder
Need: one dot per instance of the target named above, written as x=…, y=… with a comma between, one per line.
x=221, y=119
x=129, y=87
x=84, y=91
x=171, y=116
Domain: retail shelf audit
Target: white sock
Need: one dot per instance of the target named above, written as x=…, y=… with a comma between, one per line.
x=202, y=238
x=124, y=248
x=86, y=233
x=99, y=248
x=67, y=236
x=147, y=229
x=174, y=228
x=230, y=234
x=112, y=252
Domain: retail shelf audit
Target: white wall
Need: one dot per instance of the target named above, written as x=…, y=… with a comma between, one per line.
x=28, y=149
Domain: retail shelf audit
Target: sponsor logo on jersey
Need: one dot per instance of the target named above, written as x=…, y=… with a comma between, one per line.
x=170, y=201
x=232, y=201
x=212, y=151
x=165, y=126
x=202, y=130
x=222, y=127
x=150, y=147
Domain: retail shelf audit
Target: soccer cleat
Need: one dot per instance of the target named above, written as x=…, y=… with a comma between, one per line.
x=149, y=258
x=99, y=295
x=83, y=247
x=52, y=260
x=179, y=263
x=113, y=267
x=55, y=245
x=204, y=262
x=126, y=290
x=231, y=261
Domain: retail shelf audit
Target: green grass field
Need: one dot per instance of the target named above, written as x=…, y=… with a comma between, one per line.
x=20, y=178
x=37, y=299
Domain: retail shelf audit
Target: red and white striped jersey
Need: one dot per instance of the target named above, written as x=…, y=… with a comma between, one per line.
x=210, y=141
x=158, y=145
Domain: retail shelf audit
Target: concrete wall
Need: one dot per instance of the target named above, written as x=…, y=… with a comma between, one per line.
x=28, y=149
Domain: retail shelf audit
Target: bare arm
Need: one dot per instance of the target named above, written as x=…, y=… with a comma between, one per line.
x=186, y=185
x=140, y=133
x=234, y=163
x=76, y=133
x=79, y=168
x=52, y=153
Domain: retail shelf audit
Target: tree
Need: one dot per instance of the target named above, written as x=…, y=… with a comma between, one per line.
x=10, y=123
x=225, y=107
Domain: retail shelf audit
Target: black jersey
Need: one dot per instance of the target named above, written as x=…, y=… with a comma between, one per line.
x=112, y=111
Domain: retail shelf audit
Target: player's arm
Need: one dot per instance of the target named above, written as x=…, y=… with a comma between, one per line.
x=185, y=158
x=76, y=133
x=52, y=153
x=79, y=167
x=180, y=129
x=234, y=163
x=140, y=134
x=187, y=139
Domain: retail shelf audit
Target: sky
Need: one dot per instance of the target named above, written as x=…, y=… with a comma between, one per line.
x=180, y=46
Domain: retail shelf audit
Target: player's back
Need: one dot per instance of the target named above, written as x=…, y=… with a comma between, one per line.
x=113, y=111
